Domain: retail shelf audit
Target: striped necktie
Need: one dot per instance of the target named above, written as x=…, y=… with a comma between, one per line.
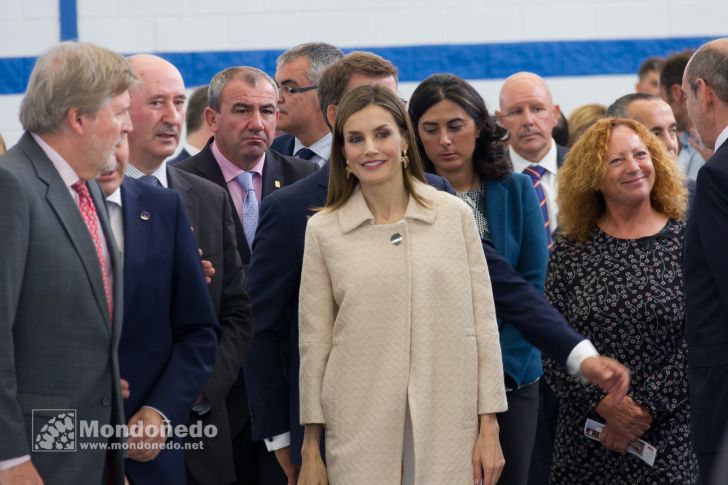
x=536, y=173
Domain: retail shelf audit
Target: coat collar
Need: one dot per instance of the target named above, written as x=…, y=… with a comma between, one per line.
x=355, y=211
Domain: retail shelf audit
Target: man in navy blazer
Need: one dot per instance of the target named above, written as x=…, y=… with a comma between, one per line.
x=705, y=84
x=169, y=335
x=274, y=276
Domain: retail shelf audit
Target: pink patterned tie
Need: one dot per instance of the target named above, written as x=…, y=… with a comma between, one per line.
x=88, y=212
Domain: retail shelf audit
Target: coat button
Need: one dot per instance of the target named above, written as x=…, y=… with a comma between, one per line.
x=106, y=401
x=396, y=239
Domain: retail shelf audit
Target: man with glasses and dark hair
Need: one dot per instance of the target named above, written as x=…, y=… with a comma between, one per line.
x=298, y=71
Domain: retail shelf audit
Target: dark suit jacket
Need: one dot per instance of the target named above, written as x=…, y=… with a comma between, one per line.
x=183, y=155
x=278, y=171
x=211, y=214
x=58, y=343
x=169, y=338
x=274, y=276
x=284, y=144
x=706, y=292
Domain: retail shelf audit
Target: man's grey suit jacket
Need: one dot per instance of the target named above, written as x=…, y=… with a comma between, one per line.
x=57, y=341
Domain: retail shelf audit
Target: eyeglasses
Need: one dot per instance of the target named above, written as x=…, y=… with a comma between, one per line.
x=291, y=90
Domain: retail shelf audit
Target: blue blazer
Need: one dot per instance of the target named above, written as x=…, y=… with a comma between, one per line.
x=274, y=275
x=169, y=335
x=516, y=229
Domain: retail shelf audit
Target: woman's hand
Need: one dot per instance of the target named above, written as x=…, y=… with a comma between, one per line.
x=614, y=440
x=488, y=458
x=313, y=470
x=627, y=418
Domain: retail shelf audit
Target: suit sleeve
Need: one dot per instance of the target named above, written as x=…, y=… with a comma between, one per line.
x=519, y=303
x=14, y=243
x=491, y=392
x=272, y=283
x=316, y=316
x=236, y=326
x=194, y=330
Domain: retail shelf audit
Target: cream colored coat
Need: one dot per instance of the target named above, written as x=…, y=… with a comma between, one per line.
x=383, y=325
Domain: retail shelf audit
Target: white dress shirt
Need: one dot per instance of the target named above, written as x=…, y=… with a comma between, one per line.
x=321, y=149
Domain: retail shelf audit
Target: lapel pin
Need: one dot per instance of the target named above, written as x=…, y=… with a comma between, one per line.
x=277, y=184
x=144, y=215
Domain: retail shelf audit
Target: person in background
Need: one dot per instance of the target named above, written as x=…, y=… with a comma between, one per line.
x=693, y=153
x=198, y=132
x=461, y=142
x=298, y=73
x=410, y=392
x=582, y=118
x=616, y=275
x=649, y=76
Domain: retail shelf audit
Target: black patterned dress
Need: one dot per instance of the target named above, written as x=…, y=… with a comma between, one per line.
x=626, y=296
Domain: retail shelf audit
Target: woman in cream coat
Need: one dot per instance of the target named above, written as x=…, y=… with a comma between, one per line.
x=400, y=358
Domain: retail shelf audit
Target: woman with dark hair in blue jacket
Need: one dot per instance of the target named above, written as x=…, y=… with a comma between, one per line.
x=459, y=141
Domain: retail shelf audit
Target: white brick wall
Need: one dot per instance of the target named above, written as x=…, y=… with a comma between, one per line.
x=27, y=27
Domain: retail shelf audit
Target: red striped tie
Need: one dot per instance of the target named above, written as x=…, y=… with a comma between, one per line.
x=88, y=212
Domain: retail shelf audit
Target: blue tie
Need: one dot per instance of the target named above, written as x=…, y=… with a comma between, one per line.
x=536, y=172
x=305, y=153
x=250, y=206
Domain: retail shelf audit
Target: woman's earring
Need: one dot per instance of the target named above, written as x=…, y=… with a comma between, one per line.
x=405, y=160
x=348, y=172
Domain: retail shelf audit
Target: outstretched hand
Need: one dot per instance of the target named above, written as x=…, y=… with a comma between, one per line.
x=608, y=374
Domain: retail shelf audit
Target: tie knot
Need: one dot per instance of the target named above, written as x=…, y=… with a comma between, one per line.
x=151, y=180
x=81, y=189
x=245, y=180
x=535, y=170
x=305, y=153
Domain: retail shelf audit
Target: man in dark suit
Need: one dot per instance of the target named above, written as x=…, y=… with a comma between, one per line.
x=242, y=114
x=169, y=336
x=705, y=85
x=60, y=273
x=157, y=111
x=275, y=274
x=298, y=71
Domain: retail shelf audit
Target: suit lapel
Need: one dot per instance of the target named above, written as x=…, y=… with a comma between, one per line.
x=136, y=237
x=69, y=215
x=271, y=173
x=178, y=183
x=496, y=209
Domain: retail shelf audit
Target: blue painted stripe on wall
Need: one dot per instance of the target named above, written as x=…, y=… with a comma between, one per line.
x=470, y=61
x=69, y=19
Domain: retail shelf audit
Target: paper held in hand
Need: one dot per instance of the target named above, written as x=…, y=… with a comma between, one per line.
x=641, y=449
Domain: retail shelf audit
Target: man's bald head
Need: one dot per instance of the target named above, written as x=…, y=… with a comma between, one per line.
x=705, y=86
x=157, y=111
x=528, y=112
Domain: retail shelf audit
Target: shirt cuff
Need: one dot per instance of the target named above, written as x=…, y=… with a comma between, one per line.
x=583, y=350
x=5, y=464
x=277, y=442
x=164, y=418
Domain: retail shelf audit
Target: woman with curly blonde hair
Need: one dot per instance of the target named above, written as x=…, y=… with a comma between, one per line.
x=616, y=275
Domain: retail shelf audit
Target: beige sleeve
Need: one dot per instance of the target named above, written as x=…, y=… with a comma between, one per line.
x=316, y=315
x=491, y=389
